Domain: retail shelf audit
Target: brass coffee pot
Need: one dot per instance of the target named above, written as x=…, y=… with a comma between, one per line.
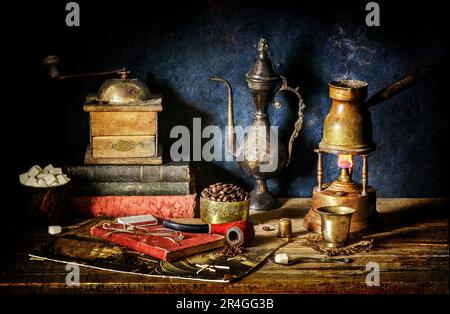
x=347, y=128
x=347, y=133
x=261, y=155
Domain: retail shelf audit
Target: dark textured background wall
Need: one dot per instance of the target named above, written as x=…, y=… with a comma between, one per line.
x=175, y=47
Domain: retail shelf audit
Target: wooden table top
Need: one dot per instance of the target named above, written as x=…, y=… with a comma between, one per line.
x=412, y=253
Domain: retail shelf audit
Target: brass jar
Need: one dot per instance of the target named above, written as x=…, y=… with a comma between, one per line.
x=213, y=212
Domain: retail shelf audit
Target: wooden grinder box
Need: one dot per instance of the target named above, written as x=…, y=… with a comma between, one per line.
x=123, y=134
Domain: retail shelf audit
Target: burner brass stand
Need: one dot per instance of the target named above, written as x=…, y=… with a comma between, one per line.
x=344, y=192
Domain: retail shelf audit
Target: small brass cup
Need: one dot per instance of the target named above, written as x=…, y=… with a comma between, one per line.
x=284, y=228
x=336, y=221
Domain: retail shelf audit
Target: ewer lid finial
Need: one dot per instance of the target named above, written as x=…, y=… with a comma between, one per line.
x=262, y=71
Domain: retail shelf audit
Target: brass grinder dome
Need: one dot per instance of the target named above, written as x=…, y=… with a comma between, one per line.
x=123, y=91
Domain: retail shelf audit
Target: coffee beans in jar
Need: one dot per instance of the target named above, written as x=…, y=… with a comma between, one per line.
x=224, y=192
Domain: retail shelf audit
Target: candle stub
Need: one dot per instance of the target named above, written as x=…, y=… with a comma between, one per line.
x=54, y=229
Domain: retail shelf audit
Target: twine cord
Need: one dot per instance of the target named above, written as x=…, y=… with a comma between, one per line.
x=355, y=246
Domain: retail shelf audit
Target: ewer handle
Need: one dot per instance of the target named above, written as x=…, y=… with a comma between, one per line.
x=298, y=124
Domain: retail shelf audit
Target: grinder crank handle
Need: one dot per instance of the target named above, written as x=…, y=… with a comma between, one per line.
x=298, y=124
x=52, y=63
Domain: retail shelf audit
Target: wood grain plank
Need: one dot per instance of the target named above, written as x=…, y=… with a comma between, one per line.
x=412, y=252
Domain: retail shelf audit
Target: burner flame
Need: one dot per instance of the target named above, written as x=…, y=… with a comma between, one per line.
x=345, y=161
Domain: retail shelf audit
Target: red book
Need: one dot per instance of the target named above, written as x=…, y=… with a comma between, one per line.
x=152, y=242
x=161, y=206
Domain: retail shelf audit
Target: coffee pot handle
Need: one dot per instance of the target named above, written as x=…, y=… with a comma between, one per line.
x=301, y=106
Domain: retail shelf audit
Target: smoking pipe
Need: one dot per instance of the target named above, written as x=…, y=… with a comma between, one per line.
x=236, y=233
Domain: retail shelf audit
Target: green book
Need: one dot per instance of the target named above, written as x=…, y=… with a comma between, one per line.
x=170, y=172
x=132, y=188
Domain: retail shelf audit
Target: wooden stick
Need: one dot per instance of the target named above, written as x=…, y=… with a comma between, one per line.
x=409, y=80
x=319, y=171
x=364, y=174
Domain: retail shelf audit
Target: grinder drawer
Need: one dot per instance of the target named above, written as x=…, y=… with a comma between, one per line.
x=123, y=123
x=123, y=146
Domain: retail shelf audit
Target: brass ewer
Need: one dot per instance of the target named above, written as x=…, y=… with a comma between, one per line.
x=261, y=155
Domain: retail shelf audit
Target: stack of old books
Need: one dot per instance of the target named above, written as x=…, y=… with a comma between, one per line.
x=164, y=191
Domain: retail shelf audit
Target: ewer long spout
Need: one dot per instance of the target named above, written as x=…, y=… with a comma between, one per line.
x=231, y=140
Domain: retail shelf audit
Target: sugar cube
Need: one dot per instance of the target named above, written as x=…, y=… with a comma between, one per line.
x=23, y=178
x=49, y=178
x=61, y=179
x=31, y=181
x=41, y=183
x=48, y=168
x=54, y=229
x=34, y=171
x=55, y=171
x=38, y=177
